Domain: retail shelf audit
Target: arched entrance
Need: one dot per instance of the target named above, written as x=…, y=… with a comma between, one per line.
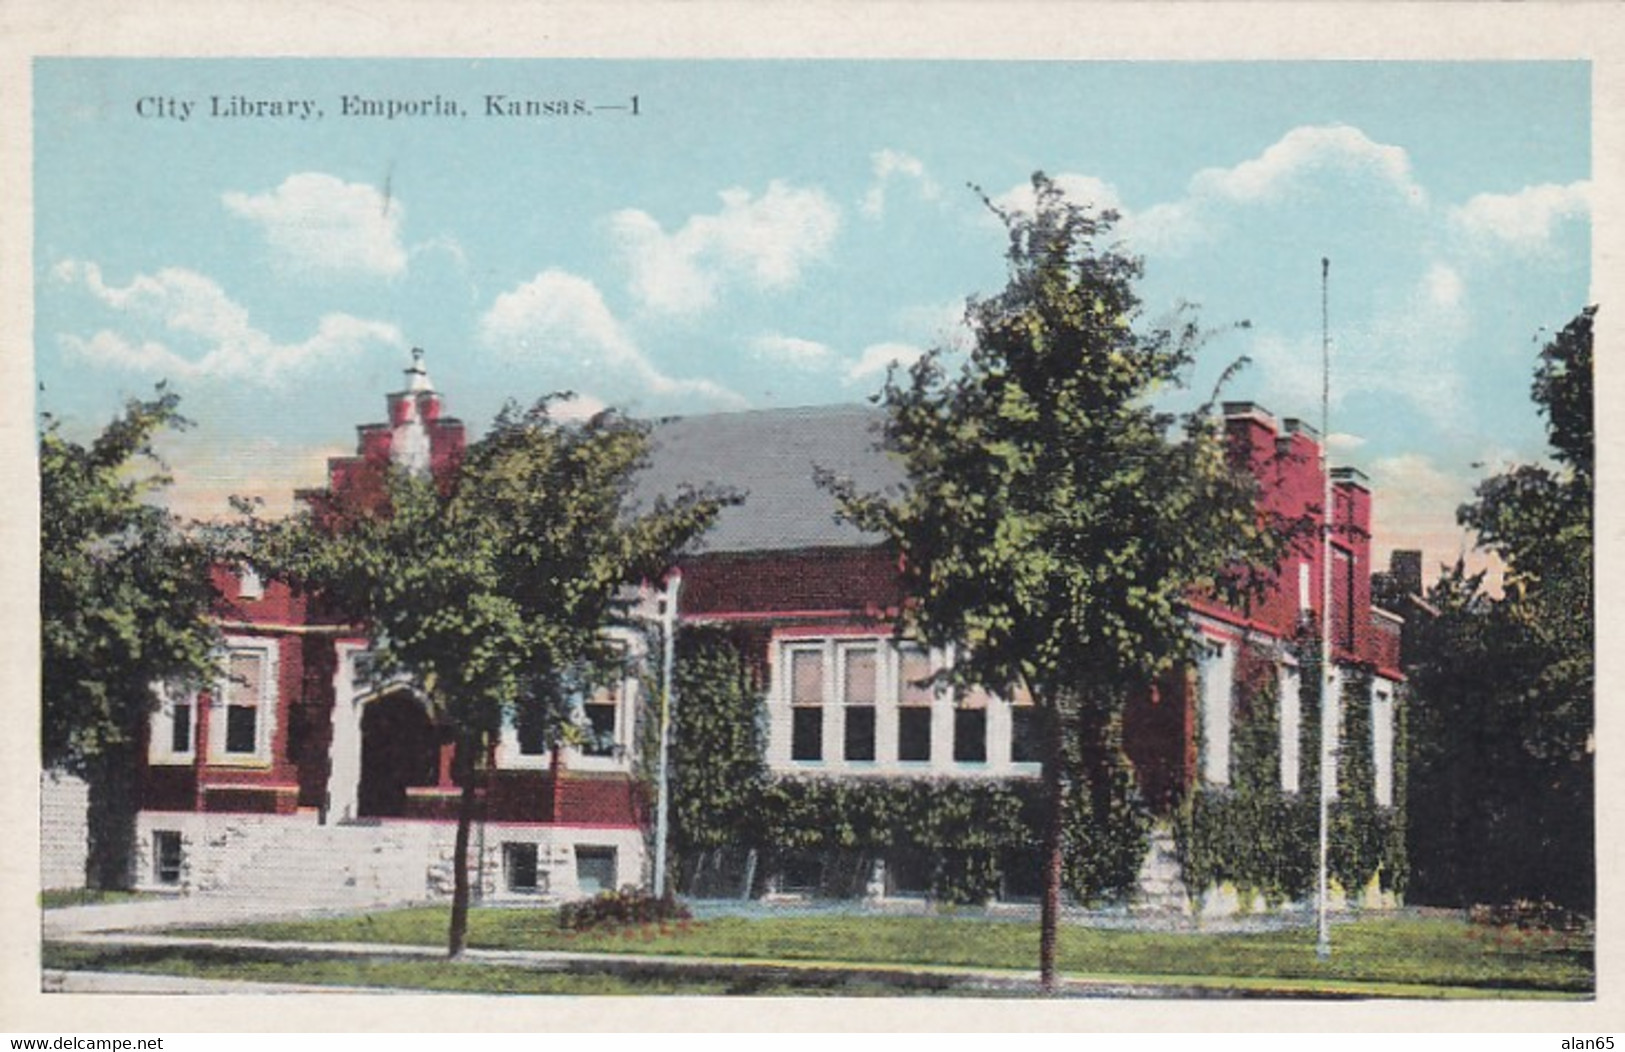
x=400, y=747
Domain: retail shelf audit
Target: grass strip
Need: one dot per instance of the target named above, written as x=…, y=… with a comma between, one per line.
x=1402, y=952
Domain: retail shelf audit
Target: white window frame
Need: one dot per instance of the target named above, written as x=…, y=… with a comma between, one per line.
x=161, y=728
x=1218, y=677
x=1382, y=742
x=824, y=647
x=844, y=649
x=511, y=758
x=265, y=710
x=1290, y=691
x=249, y=584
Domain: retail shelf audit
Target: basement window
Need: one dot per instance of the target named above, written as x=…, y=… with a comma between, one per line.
x=167, y=856
x=595, y=869
x=519, y=867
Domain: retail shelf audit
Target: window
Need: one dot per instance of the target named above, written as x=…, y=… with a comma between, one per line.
x=595, y=869
x=167, y=856
x=970, y=735
x=600, y=710
x=801, y=873
x=806, y=704
x=1343, y=601
x=908, y=874
x=519, y=867
x=1216, y=691
x=859, y=689
x=244, y=691
x=173, y=727
x=1291, y=728
x=914, y=705
x=531, y=736
x=249, y=585
x=180, y=727
x=1024, y=740
x=1382, y=746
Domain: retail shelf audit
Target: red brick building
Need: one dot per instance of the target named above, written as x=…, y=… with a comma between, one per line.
x=302, y=769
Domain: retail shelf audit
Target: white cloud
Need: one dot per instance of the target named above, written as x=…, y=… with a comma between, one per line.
x=319, y=225
x=1309, y=152
x=1524, y=221
x=878, y=357
x=894, y=164
x=195, y=309
x=764, y=241
x=792, y=351
x=1408, y=349
x=1444, y=287
x=1301, y=160
x=1342, y=440
x=561, y=321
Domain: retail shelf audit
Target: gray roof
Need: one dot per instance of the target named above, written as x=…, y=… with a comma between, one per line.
x=769, y=457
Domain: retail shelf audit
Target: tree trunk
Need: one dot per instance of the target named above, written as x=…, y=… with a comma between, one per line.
x=458, y=938
x=1049, y=919
x=111, y=819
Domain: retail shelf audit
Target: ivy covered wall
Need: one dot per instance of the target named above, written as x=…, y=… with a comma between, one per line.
x=963, y=841
x=957, y=840
x=1263, y=841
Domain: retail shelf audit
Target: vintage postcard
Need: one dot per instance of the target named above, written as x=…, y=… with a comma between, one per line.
x=696, y=503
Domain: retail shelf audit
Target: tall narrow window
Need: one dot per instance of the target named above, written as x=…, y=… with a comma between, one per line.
x=914, y=705
x=1291, y=728
x=180, y=726
x=860, y=667
x=1216, y=694
x=806, y=704
x=1382, y=746
x=245, y=695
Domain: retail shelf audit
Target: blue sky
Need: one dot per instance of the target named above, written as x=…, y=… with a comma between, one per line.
x=774, y=233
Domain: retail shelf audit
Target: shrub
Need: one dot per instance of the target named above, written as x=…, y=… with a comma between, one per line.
x=617, y=909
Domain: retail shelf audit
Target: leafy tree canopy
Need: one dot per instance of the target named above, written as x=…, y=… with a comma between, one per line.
x=1056, y=519
x=124, y=594
x=492, y=588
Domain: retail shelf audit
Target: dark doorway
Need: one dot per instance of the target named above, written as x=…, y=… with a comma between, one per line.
x=399, y=747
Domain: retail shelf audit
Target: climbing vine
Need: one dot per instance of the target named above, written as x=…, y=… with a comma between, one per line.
x=1263, y=841
x=965, y=841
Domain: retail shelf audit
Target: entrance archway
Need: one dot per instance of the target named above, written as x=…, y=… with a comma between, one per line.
x=399, y=748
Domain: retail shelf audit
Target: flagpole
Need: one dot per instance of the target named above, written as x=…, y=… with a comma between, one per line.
x=1328, y=669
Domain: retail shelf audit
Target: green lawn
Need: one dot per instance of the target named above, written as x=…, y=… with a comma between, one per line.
x=1403, y=950
x=435, y=974
x=57, y=898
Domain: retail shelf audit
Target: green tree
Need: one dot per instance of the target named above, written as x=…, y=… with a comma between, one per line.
x=1055, y=518
x=124, y=604
x=1503, y=778
x=491, y=587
